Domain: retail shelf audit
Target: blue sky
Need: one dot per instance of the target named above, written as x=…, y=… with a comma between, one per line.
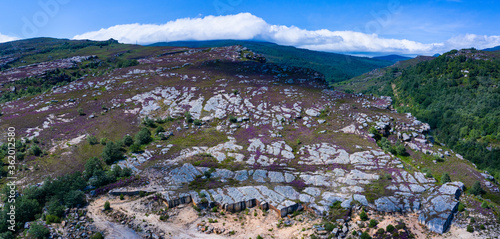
x=390, y=26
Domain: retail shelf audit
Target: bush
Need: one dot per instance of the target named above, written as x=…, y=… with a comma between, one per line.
x=117, y=171
x=149, y=122
x=470, y=228
x=380, y=231
x=128, y=140
x=55, y=208
x=39, y=231
x=482, y=227
x=197, y=122
x=111, y=153
x=389, y=228
x=159, y=130
x=445, y=178
x=74, y=198
x=126, y=172
x=329, y=226
x=233, y=119
x=373, y=223
x=365, y=235
x=484, y=204
x=103, y=141
x=97, y=235
x=476, y=189
x=92, y=140
x=135, y=148
x=52, y=219
x=363, y=216
x=35, y=150
x=122, y=197
x=7, y=235
x=80, y=111
x=461, y=207
x=259, y=237
x=107, y=205
x=188, y=117
x=92, y=166
x=400, y=149
x=143, y=137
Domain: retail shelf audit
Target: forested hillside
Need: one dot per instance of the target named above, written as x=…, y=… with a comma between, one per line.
x=457, y=94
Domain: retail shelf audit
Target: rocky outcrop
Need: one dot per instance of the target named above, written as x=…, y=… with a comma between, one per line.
x=440, y=207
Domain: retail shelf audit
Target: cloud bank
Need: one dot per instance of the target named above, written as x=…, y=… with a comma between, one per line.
x=5, y=38
x=245, y=26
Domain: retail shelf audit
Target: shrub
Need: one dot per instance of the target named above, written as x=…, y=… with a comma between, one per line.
x=52, y=219
x=74, y=198
x=117, y=170
x=128, y=140
x=135, y=148
x=445, y=178
x=126, y=172
x=7, y=235
x=19, y=155
x=197, y=122
x=159, y=130
x=149, y=122
x=380, y=231
x=92, y=140
x=400, y=149
x=103, y=141
x=111, y=153
x=122, y=197
x=188, y=117
x=363, y=216
x=329, y=226
x=373, y=223
x=472, y=220
x=107, y=205
x=35, y=150
x=484, y=204
x=80, y=111
x=97, y=235
x=143, y=137
x=259, y=237
x=389, y=228
x=39, y=231
x=375, y=132
x=482, y=227
x=55, y=208
x=365, y=235
x=470, y=228
x=476, y=189
x=461, y=207
x=92, y=166
x=233, y=119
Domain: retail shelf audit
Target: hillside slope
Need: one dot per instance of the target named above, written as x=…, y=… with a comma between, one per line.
x=206, y=143
x=335, y=67
x=457, y=93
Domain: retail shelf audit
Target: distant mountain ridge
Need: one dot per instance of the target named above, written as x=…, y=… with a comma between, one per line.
x=335, y=67
x=497, y=48
x=392, y=58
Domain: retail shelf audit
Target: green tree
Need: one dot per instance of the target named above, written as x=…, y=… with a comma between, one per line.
x=476, y=189
x=445, y=178
x=38, y=231
x=111, y=153
x=92, y=166
x=128, y=140
x=143, y=137
x=363, y=216
x=107, y=205
x=74, y=198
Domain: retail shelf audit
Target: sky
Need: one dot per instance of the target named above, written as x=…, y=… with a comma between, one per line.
x=357, y=26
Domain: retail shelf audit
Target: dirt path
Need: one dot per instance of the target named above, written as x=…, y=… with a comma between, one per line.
x=111, y=230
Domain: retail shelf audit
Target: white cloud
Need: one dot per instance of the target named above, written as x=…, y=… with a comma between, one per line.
x=245, y=26
x=5, y=38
